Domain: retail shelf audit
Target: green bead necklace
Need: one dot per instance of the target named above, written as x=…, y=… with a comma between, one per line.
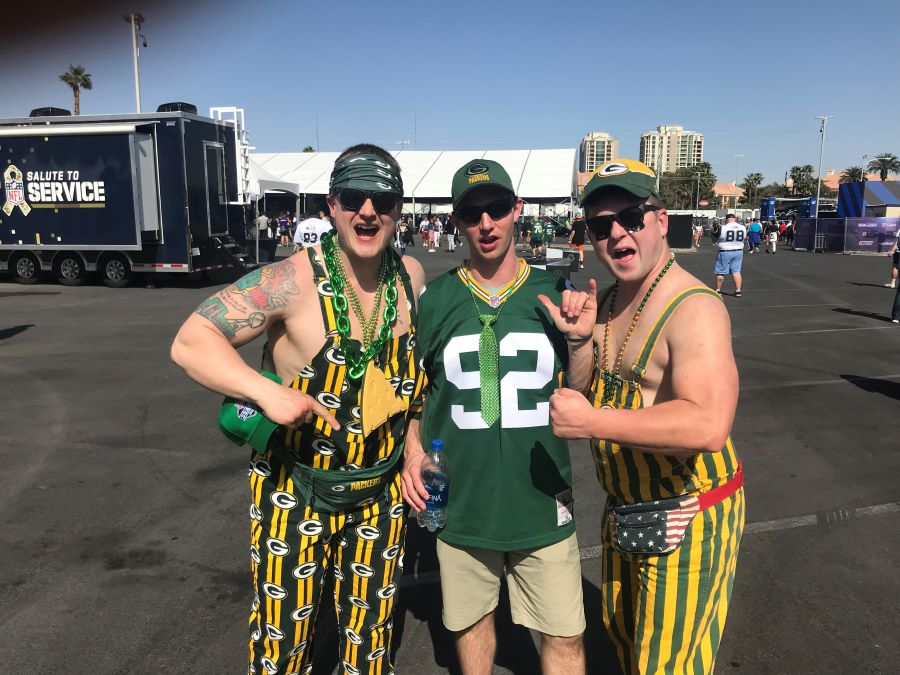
x=355, y=358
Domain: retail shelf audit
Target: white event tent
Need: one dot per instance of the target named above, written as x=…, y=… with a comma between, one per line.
x=539, y=176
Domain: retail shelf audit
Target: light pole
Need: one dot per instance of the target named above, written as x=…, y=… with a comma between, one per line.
x=865, y=157
x=737, y=172
x=697, y=203
x=136, y=20
x=824, y=119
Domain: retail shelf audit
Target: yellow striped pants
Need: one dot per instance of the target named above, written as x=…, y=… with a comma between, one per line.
x=292, y=548
x=666, y=613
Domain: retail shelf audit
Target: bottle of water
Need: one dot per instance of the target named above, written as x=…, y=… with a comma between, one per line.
x=437, y=482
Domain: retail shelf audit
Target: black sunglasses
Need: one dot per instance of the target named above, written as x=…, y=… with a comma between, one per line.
x=496, y=209
x=631, y=219
x=352, y=200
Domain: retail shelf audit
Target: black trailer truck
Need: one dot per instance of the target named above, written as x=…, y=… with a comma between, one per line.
x=119, y=195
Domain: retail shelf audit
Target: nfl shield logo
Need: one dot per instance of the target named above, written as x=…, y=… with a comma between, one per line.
x=244, y=411
x=15, y=192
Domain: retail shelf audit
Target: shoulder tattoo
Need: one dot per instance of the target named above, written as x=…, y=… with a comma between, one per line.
x=247, y=301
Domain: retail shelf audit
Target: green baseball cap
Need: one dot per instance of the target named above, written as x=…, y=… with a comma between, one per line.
x=628, y=174
x=477, y=173
x=243, y=422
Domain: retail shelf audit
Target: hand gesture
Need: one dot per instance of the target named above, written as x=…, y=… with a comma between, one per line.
x=576, y=314
x=292, y=408
x=570, y=414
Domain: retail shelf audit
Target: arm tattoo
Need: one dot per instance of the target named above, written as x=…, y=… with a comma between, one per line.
x=268, y=287
x=214, y=310
x=245, y=302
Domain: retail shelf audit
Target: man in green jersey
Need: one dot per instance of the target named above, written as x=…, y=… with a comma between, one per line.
x=549, y=233
x=494, y=347
x=537, y=237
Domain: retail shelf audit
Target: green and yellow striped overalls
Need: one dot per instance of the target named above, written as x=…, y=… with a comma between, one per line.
x=665, y=613
x=292, y=546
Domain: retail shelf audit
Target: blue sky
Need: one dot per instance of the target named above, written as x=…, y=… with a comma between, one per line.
x=750, y=76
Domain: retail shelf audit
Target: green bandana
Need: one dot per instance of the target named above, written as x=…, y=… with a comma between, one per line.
x=365, y=172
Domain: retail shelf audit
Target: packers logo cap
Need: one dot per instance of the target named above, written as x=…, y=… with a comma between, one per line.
x=477, y=173
x=628, y=174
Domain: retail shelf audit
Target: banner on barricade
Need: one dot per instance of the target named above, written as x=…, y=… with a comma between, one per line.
x=870, y=235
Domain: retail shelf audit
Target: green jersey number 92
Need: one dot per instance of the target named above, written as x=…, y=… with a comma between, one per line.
x=511, y=415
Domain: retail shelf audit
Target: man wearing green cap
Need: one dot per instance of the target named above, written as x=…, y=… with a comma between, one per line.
x=324, y=469
x=495, y=346
x=659, y=416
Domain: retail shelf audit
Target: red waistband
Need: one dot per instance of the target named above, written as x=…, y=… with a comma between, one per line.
x=724, y=491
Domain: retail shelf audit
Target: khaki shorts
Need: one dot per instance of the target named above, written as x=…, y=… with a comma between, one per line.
x=544, y=586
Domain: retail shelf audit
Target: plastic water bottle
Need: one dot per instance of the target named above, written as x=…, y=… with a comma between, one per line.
x=437, y=482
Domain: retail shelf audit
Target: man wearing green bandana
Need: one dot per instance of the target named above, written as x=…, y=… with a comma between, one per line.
x=497, y=338
x=325, y=493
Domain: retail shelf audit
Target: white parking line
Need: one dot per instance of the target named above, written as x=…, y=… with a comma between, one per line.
x=816, y=383
x=820, y=304
x=824, y=518
x=822, y=330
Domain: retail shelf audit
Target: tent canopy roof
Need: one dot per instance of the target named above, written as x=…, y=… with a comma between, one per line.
x=427, y=174
x=262, y=181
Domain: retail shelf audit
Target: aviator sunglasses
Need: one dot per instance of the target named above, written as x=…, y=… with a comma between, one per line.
x=495, y=210
x=352, y=200
x=631, y=219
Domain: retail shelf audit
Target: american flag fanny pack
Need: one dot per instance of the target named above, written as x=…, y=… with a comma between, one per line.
x=659, y=526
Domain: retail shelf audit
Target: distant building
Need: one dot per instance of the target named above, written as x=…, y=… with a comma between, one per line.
x=832, y=179
x=670, y=148
x=597, y=147
x=727, y=194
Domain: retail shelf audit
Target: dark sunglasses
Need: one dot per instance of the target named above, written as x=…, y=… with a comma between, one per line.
x=631, y=219
x=352, y=200
x=495, y=210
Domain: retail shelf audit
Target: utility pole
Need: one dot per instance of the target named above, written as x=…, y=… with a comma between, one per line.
x=737, y=172
x=824, y=119
x=136, y=20
x=402, y=142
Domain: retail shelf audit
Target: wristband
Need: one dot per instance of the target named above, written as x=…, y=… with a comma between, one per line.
x=579, y=340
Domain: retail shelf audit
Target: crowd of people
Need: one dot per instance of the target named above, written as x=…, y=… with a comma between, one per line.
x=767, y=233
x=363, y=367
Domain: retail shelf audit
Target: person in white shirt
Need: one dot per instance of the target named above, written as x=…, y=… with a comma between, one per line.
x=895, y=261
x=773, y=240
x=731, y=253
x=310, y=230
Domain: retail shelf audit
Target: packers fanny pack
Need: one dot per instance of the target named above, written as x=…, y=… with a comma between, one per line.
x=659, y=527
x=323, y=489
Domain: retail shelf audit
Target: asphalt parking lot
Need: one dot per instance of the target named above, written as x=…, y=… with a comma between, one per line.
x=125, y=510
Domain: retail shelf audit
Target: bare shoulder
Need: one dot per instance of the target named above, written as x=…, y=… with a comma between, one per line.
x=701, y=313
x=271, y=287
x=416, y=274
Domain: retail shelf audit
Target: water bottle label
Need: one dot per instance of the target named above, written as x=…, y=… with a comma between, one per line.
x=565, y=507
x=438, y=495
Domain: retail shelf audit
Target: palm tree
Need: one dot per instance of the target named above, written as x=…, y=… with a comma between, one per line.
x=884, y=164
x=309, y=148
x=804, y=179
x=751, y=184
x=76, y=78
x=853, y=174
